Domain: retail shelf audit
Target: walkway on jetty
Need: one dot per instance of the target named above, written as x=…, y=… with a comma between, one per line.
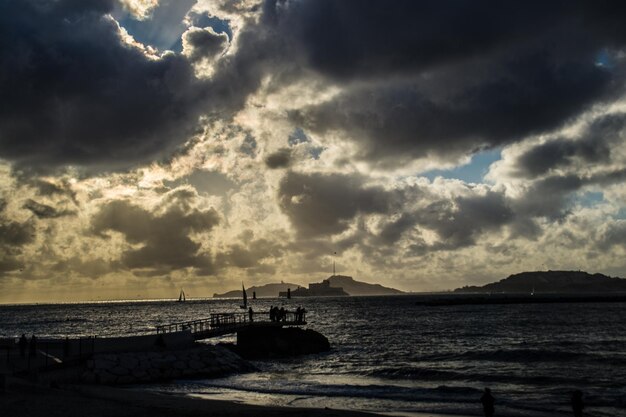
x=226, y=323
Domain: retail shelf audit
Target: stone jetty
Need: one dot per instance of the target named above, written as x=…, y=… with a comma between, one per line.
x=203, y=361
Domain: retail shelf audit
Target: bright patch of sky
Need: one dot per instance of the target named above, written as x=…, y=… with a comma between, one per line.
x=603, y=59
x=166, y=24
x=474, y=171
x=590, y=198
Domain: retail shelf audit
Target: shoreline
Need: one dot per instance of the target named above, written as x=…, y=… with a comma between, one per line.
x=23, y=399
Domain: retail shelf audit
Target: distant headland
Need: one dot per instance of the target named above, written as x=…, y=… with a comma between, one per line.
x=552, y=282
x=538, y=287
x=335, y=285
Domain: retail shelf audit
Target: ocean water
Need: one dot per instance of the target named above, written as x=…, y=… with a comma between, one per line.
x=390, y=355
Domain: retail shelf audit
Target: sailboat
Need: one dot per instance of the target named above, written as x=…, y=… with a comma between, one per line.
x=245, y=298
x=181, y=296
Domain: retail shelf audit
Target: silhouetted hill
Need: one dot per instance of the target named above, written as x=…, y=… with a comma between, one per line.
x=348, y=284
x=562, y=282
x=267, y=290
x=353, y=287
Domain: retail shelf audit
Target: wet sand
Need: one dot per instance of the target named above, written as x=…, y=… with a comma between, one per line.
x=22, y=399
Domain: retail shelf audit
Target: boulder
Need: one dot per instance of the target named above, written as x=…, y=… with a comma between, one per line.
x=276, y=342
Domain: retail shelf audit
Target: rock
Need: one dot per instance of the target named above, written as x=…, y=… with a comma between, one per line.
x=119, y=371
x=103, y=363
x=127, y=379
x=271, y=342
x=88, y=378
x=140, y=373
x=128, y=361
x=135, y=367
x=196, y=364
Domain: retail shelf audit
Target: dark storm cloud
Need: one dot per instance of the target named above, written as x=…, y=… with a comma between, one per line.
x=592, y=147
x=13, y=236
x=279, y=159
x=325, y=204
x=16, y=234
x=551, y=197
x=418, y=78
x=44, y=211
x=469, y=108
x=443, y=79
x=458, y=222
x=48, y=188
x=204, y=43
x=368, y=38
x=74, y=93
x=249, y=253
x=461, y=223
x=615, y=235
x=164, y=236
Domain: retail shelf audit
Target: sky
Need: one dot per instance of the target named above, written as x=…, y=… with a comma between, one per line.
x=153, y=145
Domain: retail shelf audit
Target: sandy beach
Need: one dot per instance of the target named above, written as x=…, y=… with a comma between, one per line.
x=22, y=399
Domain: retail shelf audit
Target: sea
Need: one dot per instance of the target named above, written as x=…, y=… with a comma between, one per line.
x=390, y=355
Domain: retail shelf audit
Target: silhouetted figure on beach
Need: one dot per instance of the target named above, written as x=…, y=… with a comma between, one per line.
x=22, y=344
x=271, y=313
x=577, y=403
x=282, y=314
x=33, y=345
x=488, y=401
x=251, y=314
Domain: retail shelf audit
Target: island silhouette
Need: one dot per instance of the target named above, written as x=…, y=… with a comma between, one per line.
x=349, y=285
x=554, y=282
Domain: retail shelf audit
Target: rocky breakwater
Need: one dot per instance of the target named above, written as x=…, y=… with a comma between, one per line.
x=276, y=342
x=142, y=367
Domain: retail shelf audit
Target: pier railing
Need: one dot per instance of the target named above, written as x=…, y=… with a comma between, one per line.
x=223, y=323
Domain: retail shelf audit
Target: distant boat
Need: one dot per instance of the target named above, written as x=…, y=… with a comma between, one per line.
x=181, y=296
x=245, y=298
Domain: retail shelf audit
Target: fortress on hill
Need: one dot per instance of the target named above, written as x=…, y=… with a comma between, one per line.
x=321, y=289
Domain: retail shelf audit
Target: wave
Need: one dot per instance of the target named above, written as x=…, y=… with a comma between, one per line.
x=443, y=393
x=524, y=356
x=57, y=321
x=426, y=374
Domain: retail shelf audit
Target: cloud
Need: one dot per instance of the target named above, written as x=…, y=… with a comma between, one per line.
x=472, y=107
x=13, y=237
x=160, y=241
x=613, y=235
x=279, y=159
x=325, y=204
x=249, y=254
x=593, y=146
x=74, y=92
x=203, y=43
x=421, y=80
x=206, y=182
x=44, y=211
x=15, y=234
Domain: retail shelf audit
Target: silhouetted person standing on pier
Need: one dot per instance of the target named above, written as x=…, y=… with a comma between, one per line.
x=488, y=401
x=577, y=403
x=22, y=344
x=251, y=314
